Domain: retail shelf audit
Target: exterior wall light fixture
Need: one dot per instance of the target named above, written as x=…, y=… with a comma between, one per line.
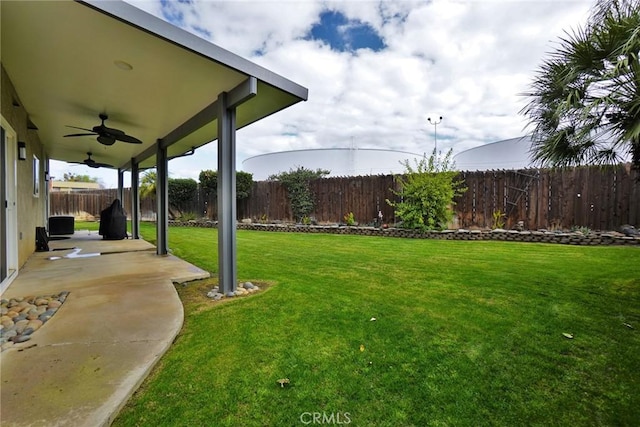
x=22, y=150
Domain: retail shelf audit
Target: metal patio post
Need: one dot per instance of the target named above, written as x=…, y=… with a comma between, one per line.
x=227, y=270
x=162, y=196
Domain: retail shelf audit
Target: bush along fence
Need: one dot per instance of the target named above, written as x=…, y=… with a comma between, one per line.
x=599, y=198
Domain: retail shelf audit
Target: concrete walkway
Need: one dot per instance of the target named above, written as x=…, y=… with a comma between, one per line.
x=120, y=317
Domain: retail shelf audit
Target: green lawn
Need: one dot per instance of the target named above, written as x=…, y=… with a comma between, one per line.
x=467, y=334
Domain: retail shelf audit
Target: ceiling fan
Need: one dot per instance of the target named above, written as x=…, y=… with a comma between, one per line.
x=92, y=163
x=106, y=135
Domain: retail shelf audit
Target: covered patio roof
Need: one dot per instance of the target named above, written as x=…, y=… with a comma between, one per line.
x=69, y=60
x=72, y=61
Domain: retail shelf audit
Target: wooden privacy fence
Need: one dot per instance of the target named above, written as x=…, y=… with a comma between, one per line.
x=594, y=197
x=89, y=203
x=601, y=198
x=334, y=198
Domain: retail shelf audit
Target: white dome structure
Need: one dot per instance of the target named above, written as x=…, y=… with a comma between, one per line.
x=339, y=161
x=507, y=154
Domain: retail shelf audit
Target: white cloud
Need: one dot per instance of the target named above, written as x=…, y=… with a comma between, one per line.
x=465, y=60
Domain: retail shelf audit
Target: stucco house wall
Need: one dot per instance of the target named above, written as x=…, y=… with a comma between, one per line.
x=30, y=208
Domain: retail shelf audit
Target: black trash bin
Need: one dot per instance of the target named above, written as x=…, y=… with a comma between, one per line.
x=113, y=222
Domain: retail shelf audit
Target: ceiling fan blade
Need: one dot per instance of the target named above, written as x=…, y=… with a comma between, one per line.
x=106, y=140
x=127, y=138
x=106, y=135
x=101, y=165
x=76, y=127
x=103, y=130
x=80, y=134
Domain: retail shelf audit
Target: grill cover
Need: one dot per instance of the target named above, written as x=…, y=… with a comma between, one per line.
x=113, y=222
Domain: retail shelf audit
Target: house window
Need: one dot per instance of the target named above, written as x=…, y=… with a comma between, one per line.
x=36, y=176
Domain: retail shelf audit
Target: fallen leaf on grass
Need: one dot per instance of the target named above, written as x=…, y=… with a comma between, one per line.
x=283, y=381
x=361, y=347
x=566, y=335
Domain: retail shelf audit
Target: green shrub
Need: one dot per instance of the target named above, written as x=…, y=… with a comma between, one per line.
x=297, y=184
x=349, y=219
x=498, y=219
x=187, y=216
x=427, y=192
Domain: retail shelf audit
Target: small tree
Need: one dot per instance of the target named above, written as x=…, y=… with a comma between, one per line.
x=181, y=192
x=427, y=192
x=209, y=183
x=244, y=182
x=297, y=184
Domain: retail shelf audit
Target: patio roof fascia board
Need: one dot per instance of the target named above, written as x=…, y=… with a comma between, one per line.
x=239, y=94
x=144, y=21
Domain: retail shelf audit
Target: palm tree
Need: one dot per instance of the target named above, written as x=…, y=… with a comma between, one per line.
x=585, y=98
x=148, y=183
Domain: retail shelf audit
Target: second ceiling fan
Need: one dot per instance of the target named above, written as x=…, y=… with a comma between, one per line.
x=92, y=163
x=106, y=135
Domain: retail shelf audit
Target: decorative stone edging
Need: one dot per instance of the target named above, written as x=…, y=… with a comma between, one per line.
x=567, y=238
x=22, y=316
x=243, y=289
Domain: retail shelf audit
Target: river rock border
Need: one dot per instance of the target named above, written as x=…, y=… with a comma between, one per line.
x=22, y=316
x=243, y=289
x=542, y=236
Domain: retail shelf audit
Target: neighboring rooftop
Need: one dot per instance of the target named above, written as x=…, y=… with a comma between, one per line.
x=70, y=186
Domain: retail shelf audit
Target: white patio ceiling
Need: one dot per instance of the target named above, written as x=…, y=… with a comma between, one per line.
x=62, y=59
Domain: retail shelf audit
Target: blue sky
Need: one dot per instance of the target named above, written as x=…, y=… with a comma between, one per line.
x=376, y=70
x=343, y=34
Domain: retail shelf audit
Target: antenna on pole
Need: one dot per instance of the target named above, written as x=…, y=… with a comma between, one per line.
x=435, y=123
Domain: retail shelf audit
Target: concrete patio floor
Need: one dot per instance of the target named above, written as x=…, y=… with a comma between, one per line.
x=120, y=317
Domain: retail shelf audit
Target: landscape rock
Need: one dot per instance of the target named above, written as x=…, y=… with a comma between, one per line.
x=23, y=316
x=28, y=331
x=20, y=338
x=21, y=325
x=54, y=304
x=629, y=230
x=9, y=334
x=242, y=290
